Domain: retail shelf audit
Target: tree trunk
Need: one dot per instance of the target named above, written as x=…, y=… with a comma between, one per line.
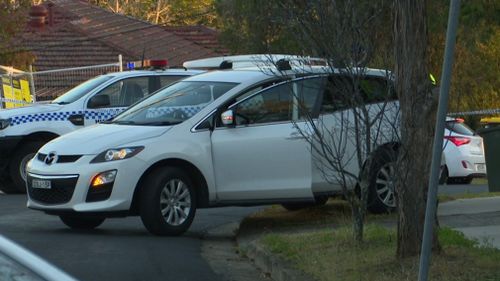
x=418, y=115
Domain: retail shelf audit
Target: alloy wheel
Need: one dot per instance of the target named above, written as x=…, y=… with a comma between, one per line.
x=175, y=202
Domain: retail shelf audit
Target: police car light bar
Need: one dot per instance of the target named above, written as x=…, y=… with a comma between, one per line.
x=147, y=64
x=260, y=60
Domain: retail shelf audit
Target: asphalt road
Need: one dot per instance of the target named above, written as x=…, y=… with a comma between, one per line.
x=120, y=249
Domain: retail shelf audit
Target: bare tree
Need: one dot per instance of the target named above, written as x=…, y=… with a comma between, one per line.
x=360, y=149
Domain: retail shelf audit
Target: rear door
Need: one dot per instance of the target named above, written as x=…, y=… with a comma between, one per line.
x=263, y=157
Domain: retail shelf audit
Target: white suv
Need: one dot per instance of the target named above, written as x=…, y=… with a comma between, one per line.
x=215, y=139
x=24, y=130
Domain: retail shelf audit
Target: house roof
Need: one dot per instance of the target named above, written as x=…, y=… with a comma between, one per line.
x=83, y=34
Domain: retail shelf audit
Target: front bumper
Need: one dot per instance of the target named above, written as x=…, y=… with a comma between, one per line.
x=73, y=196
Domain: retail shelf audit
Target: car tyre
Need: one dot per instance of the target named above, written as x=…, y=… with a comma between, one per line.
x=167, y=202
x=381, y=181
x=17, y=166
x=294, y=206
x=443, y=178
x=78, y=222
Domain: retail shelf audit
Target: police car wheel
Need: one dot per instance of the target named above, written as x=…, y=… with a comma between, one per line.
x=167, y=201
x=17, y=166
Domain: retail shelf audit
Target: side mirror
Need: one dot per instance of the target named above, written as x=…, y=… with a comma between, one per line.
x=227, y=117
x=99, y=101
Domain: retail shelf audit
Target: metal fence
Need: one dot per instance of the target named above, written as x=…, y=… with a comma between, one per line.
x=20, y=88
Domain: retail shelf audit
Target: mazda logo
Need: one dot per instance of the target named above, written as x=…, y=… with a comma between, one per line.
x=50, y=158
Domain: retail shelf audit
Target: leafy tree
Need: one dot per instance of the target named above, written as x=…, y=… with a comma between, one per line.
x=13, y=15
x=168, y=12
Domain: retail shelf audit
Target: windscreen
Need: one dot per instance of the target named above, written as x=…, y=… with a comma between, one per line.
x=81, y=90
x=174, y=104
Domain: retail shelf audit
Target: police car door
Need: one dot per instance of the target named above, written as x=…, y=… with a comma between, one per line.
x=115, y=98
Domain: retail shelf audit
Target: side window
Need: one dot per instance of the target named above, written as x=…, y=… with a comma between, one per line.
x=336, y=95
x=272, y=105
x=124, y=93
x=340, y=94
x=285, y=102
x=376, y=90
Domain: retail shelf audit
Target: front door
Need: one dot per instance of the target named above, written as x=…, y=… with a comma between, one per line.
x=264, y=157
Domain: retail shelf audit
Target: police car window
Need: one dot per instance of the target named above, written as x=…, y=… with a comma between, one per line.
x=167, y=80
x=125, y=92
x=81, y=90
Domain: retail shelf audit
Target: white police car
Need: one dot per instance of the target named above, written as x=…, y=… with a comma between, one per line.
x=215, y=139
x=24, y=130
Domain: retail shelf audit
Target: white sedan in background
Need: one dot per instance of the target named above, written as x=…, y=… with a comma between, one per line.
x=463, y=153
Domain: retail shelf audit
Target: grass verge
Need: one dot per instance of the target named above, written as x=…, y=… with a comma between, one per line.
x=445, y=197
x=333, y=255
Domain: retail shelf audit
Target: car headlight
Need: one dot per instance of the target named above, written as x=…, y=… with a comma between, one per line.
x=117, y=154
x=4, y=123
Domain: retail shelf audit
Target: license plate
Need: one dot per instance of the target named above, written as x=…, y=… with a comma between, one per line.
x=42, y=184
x=481, y=167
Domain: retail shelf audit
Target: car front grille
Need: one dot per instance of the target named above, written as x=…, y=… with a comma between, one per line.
x=60, y=158
x=60, y=192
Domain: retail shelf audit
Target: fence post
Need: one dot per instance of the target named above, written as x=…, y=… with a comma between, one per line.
x=32, y=85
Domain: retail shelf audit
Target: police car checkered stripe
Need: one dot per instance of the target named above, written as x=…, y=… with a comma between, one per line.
x=187, y=110
x=63, y=116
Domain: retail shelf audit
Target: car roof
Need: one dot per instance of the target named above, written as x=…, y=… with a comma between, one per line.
x=173, y=71
x=241, y=75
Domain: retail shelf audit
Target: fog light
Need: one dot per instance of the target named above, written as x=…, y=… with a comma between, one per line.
x=103, y=178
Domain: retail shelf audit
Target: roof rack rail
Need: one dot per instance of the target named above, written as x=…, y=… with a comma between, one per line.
x=282, y=62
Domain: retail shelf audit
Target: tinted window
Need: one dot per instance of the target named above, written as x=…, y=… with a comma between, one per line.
x=283, y=102
x=126, y=92
x=340, y=94
x=459, y=128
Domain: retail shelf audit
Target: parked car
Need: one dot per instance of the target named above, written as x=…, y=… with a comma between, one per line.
x=24, y=130
x=215, y=139
x=464, y=153
x=17, y=263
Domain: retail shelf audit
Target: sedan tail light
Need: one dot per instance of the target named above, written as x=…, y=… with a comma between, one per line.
x=458, y=141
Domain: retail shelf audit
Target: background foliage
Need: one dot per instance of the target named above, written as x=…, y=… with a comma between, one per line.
x=257, y=26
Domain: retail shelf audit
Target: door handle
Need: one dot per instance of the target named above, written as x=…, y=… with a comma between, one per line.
x=76, y=119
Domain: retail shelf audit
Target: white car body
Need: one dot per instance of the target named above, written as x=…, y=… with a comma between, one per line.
x=464, y=152
x=41, y=122
x=241, y=165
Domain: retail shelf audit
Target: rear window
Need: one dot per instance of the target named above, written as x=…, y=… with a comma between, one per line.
x=459, y=128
